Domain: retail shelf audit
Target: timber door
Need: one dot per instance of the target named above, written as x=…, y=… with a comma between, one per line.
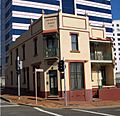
x=53, y=82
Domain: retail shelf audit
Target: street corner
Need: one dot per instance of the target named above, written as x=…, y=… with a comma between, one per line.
x=5, y=99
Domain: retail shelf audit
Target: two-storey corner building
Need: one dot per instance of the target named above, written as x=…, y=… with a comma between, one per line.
x=17, y=15
x=85, y=49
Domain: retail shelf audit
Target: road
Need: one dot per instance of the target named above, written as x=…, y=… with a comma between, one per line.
x=9, y=109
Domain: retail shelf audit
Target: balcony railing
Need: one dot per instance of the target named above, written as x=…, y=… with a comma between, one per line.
x=51, y=52
x=101, y=56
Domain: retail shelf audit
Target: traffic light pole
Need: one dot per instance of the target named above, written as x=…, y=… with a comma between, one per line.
x=18, y=86
x=18, y=75
x=65, y=92
x=61, y=68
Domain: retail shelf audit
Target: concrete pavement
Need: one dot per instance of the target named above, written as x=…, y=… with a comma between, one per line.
x=30, y=100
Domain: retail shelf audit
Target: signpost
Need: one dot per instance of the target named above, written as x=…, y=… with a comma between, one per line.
x=36, y=70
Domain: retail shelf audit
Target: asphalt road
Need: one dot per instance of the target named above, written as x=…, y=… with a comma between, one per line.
x=8, y=109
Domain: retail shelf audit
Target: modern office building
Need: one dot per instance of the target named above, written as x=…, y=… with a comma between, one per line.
x=87, y=54
x=116, y=44
x=0, y=42
x=19, y=13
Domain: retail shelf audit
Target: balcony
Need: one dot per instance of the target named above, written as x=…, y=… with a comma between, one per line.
x=51, y=52
x=100, y=51
x=101, y=56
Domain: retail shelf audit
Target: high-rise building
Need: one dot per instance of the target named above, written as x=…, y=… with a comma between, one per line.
x=116, y=44
x=18, y=15
x=0, y=43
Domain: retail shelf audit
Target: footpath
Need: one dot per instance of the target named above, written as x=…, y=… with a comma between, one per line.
x=41, y=102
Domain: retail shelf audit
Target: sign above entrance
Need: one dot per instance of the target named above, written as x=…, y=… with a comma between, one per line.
x=50, y=23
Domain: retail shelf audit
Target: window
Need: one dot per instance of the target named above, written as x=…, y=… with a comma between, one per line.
x=35, y=46
x=24, y=76
x=7, y=47
x=11, y=58
x=11, y=77
x=117, y=25
x=118, y=39
x=118, y=29
x=16, y=52
x=76, y=76
x=74, y=42
x=6, y=59
x=118, y=43
x=23, y=48
x=118, y=34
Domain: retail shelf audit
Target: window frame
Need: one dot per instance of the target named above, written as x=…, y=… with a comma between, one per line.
x=24, y=75
x=79, y=74
x=35, y=46
x=11, y=58
x=11, y=76
x=76, y=42
x=23, y=50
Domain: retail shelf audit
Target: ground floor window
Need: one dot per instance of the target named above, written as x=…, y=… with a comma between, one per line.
x=76, y=75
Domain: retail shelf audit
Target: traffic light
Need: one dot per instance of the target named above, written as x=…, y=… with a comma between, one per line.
x=61, y=66
x=17, y=65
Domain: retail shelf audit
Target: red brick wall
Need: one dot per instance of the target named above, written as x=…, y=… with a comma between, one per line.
x=80, y=95
x=109, y=93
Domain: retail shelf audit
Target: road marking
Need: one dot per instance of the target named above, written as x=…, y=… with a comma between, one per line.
x=2, y=101
x=3, y=106
x=117, y=110
x=51, y=113
x=92, y=112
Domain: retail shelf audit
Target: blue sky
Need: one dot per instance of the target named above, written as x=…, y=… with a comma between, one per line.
x=115, y=9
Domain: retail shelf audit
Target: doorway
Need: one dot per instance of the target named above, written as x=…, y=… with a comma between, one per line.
x=103, y=73
x=53, y=82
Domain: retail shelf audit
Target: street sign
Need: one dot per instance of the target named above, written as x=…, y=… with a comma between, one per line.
x=21, y=65
x=39, y=70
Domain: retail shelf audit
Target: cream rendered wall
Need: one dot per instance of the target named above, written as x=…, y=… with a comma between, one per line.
x=65, y=45
x=66, y=77
x=29, y=57
x=97, y=32
x=84, y=55
x=94, y=76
